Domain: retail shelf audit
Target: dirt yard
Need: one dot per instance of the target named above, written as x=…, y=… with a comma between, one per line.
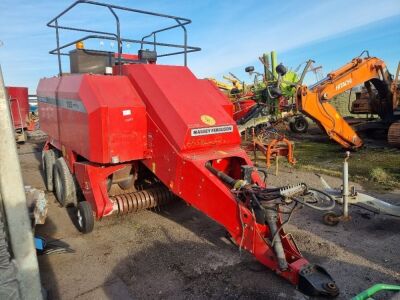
x=178, y=253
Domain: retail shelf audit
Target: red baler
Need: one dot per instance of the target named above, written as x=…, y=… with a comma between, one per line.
x=127, y=134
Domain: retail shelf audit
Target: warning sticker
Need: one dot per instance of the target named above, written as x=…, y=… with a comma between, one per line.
x=211, y=130
x=126, y=112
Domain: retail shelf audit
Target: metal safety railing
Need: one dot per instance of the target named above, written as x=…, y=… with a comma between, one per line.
x=116, y=35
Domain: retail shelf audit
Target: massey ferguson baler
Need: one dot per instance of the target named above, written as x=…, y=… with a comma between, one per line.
x=126, y=134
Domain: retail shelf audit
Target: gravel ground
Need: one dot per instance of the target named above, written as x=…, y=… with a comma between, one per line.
x=178, y=253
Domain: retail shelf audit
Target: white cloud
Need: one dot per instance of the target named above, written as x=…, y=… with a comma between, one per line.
x=238, y=44
x=231, y=33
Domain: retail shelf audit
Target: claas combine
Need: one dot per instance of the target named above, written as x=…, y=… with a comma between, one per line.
x=126, y=133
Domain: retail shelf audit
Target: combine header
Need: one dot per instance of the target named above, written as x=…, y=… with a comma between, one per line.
x=126, y=134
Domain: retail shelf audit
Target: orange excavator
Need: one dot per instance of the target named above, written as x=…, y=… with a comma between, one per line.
x=382, y=91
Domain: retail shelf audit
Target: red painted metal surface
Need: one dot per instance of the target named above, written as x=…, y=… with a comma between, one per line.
x=242, y=107
x=127, y=56
x=175, y=103
x=219, y=97
x=92, y=179
x=100, y=118
x=19, y=105
x=178, y=102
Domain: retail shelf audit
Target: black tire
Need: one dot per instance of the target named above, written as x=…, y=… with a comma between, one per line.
x=85, y=219
x=235, y=91
x=64, y=184
x=299, y=124
x=48, y=161
x=249, y=69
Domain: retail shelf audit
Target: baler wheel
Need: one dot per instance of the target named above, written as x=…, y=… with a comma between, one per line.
x=85, y=217
x=48, y=161
x=64, y=183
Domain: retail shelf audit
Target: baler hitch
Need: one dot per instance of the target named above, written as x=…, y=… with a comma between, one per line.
x=268, y=205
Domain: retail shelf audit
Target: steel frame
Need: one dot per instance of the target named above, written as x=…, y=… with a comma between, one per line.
x=347, y=196
x=95, y=34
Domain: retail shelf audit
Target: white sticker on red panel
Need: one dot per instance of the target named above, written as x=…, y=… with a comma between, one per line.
x=211, y=130
x=126, y=112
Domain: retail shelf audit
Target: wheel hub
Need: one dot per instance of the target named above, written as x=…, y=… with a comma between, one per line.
x=80, y=219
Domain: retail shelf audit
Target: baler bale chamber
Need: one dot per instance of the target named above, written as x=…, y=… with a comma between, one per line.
x=126, y=133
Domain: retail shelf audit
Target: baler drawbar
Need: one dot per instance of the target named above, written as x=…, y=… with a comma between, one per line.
x=126, y=133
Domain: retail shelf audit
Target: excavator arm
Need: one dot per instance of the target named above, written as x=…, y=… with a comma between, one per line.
x=313, y=101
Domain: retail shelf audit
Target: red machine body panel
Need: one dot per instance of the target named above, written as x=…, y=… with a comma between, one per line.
x=98, y=117
x=242, y=108
x=127, y=56
x=179, y=159
x=219, y=97
x=176, y=103
x=190, y=112
x=19, y=105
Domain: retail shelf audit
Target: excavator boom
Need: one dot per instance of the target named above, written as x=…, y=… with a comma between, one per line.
x=314, y=100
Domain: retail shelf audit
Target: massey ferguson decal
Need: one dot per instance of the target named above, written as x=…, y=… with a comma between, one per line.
x=211, y=130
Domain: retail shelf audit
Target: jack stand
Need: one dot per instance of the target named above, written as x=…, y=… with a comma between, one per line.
x=345, y=197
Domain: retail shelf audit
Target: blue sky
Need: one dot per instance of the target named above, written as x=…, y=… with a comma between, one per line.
x=232, y=34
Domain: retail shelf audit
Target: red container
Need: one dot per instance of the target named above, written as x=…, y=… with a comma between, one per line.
x=19, y=105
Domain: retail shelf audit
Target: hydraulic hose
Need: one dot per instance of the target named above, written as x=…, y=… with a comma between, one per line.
x=221, y=175
x=263, y=201
x=305, y=203
x=271, y=217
